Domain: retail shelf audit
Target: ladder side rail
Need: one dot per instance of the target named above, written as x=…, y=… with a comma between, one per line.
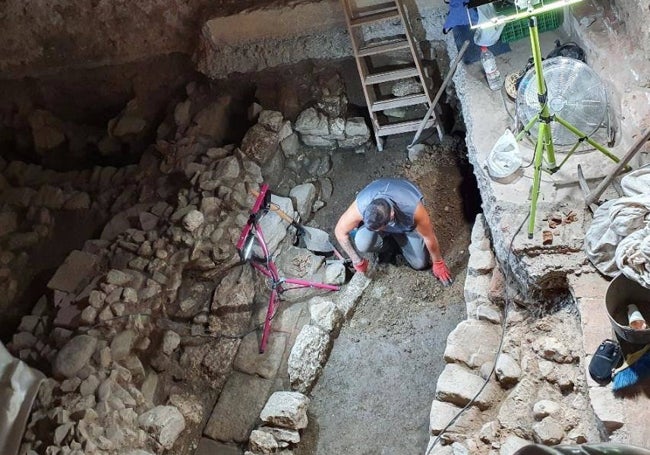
x=362, y=68
x=414, y=52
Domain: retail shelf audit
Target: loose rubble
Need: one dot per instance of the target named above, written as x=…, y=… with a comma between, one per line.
x=157, y=308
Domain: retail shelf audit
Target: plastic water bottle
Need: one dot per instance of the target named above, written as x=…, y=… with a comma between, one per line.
x=495, y=82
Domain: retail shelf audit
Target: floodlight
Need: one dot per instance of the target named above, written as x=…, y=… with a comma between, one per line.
x=519, y=9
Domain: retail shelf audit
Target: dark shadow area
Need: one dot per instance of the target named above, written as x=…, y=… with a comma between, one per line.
x=70, y=233
x=469, y=190
x=82, y=103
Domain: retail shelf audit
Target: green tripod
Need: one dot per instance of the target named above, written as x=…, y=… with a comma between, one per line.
x=544, y=143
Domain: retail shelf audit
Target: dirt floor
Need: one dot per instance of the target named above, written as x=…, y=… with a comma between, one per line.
x=375, y=393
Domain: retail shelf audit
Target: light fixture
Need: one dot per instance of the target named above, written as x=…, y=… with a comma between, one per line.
x=522, y=10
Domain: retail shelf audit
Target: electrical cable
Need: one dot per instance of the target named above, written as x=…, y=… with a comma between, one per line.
x=496, y=358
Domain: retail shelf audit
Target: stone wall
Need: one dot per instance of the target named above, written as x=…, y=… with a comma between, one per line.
x=45, y=36
x=616, y=40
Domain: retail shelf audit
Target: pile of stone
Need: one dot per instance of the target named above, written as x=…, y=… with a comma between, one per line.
x=283, y=416
x=140, y=319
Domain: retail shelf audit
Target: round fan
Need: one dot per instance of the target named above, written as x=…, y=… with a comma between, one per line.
x=575, y=93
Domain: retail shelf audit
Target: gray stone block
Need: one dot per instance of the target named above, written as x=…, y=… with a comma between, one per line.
x=74, y=272
x=238, y=407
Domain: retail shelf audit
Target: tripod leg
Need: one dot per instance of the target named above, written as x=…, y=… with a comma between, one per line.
x=527, y=128
x=587, y=139
x=540, y=146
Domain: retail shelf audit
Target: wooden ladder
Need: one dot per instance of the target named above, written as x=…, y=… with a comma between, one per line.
x=382, y=61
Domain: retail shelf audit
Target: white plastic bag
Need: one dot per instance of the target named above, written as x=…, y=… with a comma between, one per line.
x=489, y=35
x=504, y=158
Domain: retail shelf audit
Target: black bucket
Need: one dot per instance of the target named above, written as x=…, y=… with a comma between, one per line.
x=622, y=292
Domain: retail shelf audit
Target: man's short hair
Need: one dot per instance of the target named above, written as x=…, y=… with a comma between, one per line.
x=377, y=214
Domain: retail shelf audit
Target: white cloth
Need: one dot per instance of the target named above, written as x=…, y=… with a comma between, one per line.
x=629, y=214
x=636, y=182
x=633, y=256
x=618, y=239
x=600, y=241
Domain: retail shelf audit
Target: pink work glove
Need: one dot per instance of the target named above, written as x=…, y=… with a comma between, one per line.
x=440, y=271
x=361, y=266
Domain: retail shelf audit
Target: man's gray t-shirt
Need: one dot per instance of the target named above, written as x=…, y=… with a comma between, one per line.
x=402, y=194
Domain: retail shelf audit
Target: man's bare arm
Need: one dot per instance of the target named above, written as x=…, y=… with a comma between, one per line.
x=348, y=221
x=424, y=227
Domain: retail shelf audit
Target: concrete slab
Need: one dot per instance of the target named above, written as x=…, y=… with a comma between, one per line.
x=238, y=408
x=77, y=268
x=210, y=447
x=506, y=205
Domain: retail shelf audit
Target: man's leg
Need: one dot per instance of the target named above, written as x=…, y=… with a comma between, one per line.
x=414, y=250
x=368, y=241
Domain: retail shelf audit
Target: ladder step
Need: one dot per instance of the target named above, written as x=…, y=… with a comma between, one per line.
x=381, y=48
x=403, y=127
x=376, y=17
x=408, y=100
x=392, y=75
x=375, y=8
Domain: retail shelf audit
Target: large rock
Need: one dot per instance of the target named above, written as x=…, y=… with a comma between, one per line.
x=260, y=144
x=303, y=264
x=325, y=314
x=238, y=407
x=304, y=196
x=273, y=225
x=458, y=385
x=165, y=423
x=74, y=355
x=473, y=343
x=212, y=121
x=74, y=272
x=310, y=122
x=442, y=413
x=231, y=302
x=286, y=410
x=307, y=357
x=130, y=122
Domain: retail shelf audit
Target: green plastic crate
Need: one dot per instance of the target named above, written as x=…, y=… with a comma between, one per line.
x=517, y=30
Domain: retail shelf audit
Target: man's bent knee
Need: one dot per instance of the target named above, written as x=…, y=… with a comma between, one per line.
x=367, y=241
x=419, y=263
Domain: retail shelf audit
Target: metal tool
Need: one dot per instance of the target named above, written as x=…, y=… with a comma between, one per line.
x=592, y=196
x=434, y=103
